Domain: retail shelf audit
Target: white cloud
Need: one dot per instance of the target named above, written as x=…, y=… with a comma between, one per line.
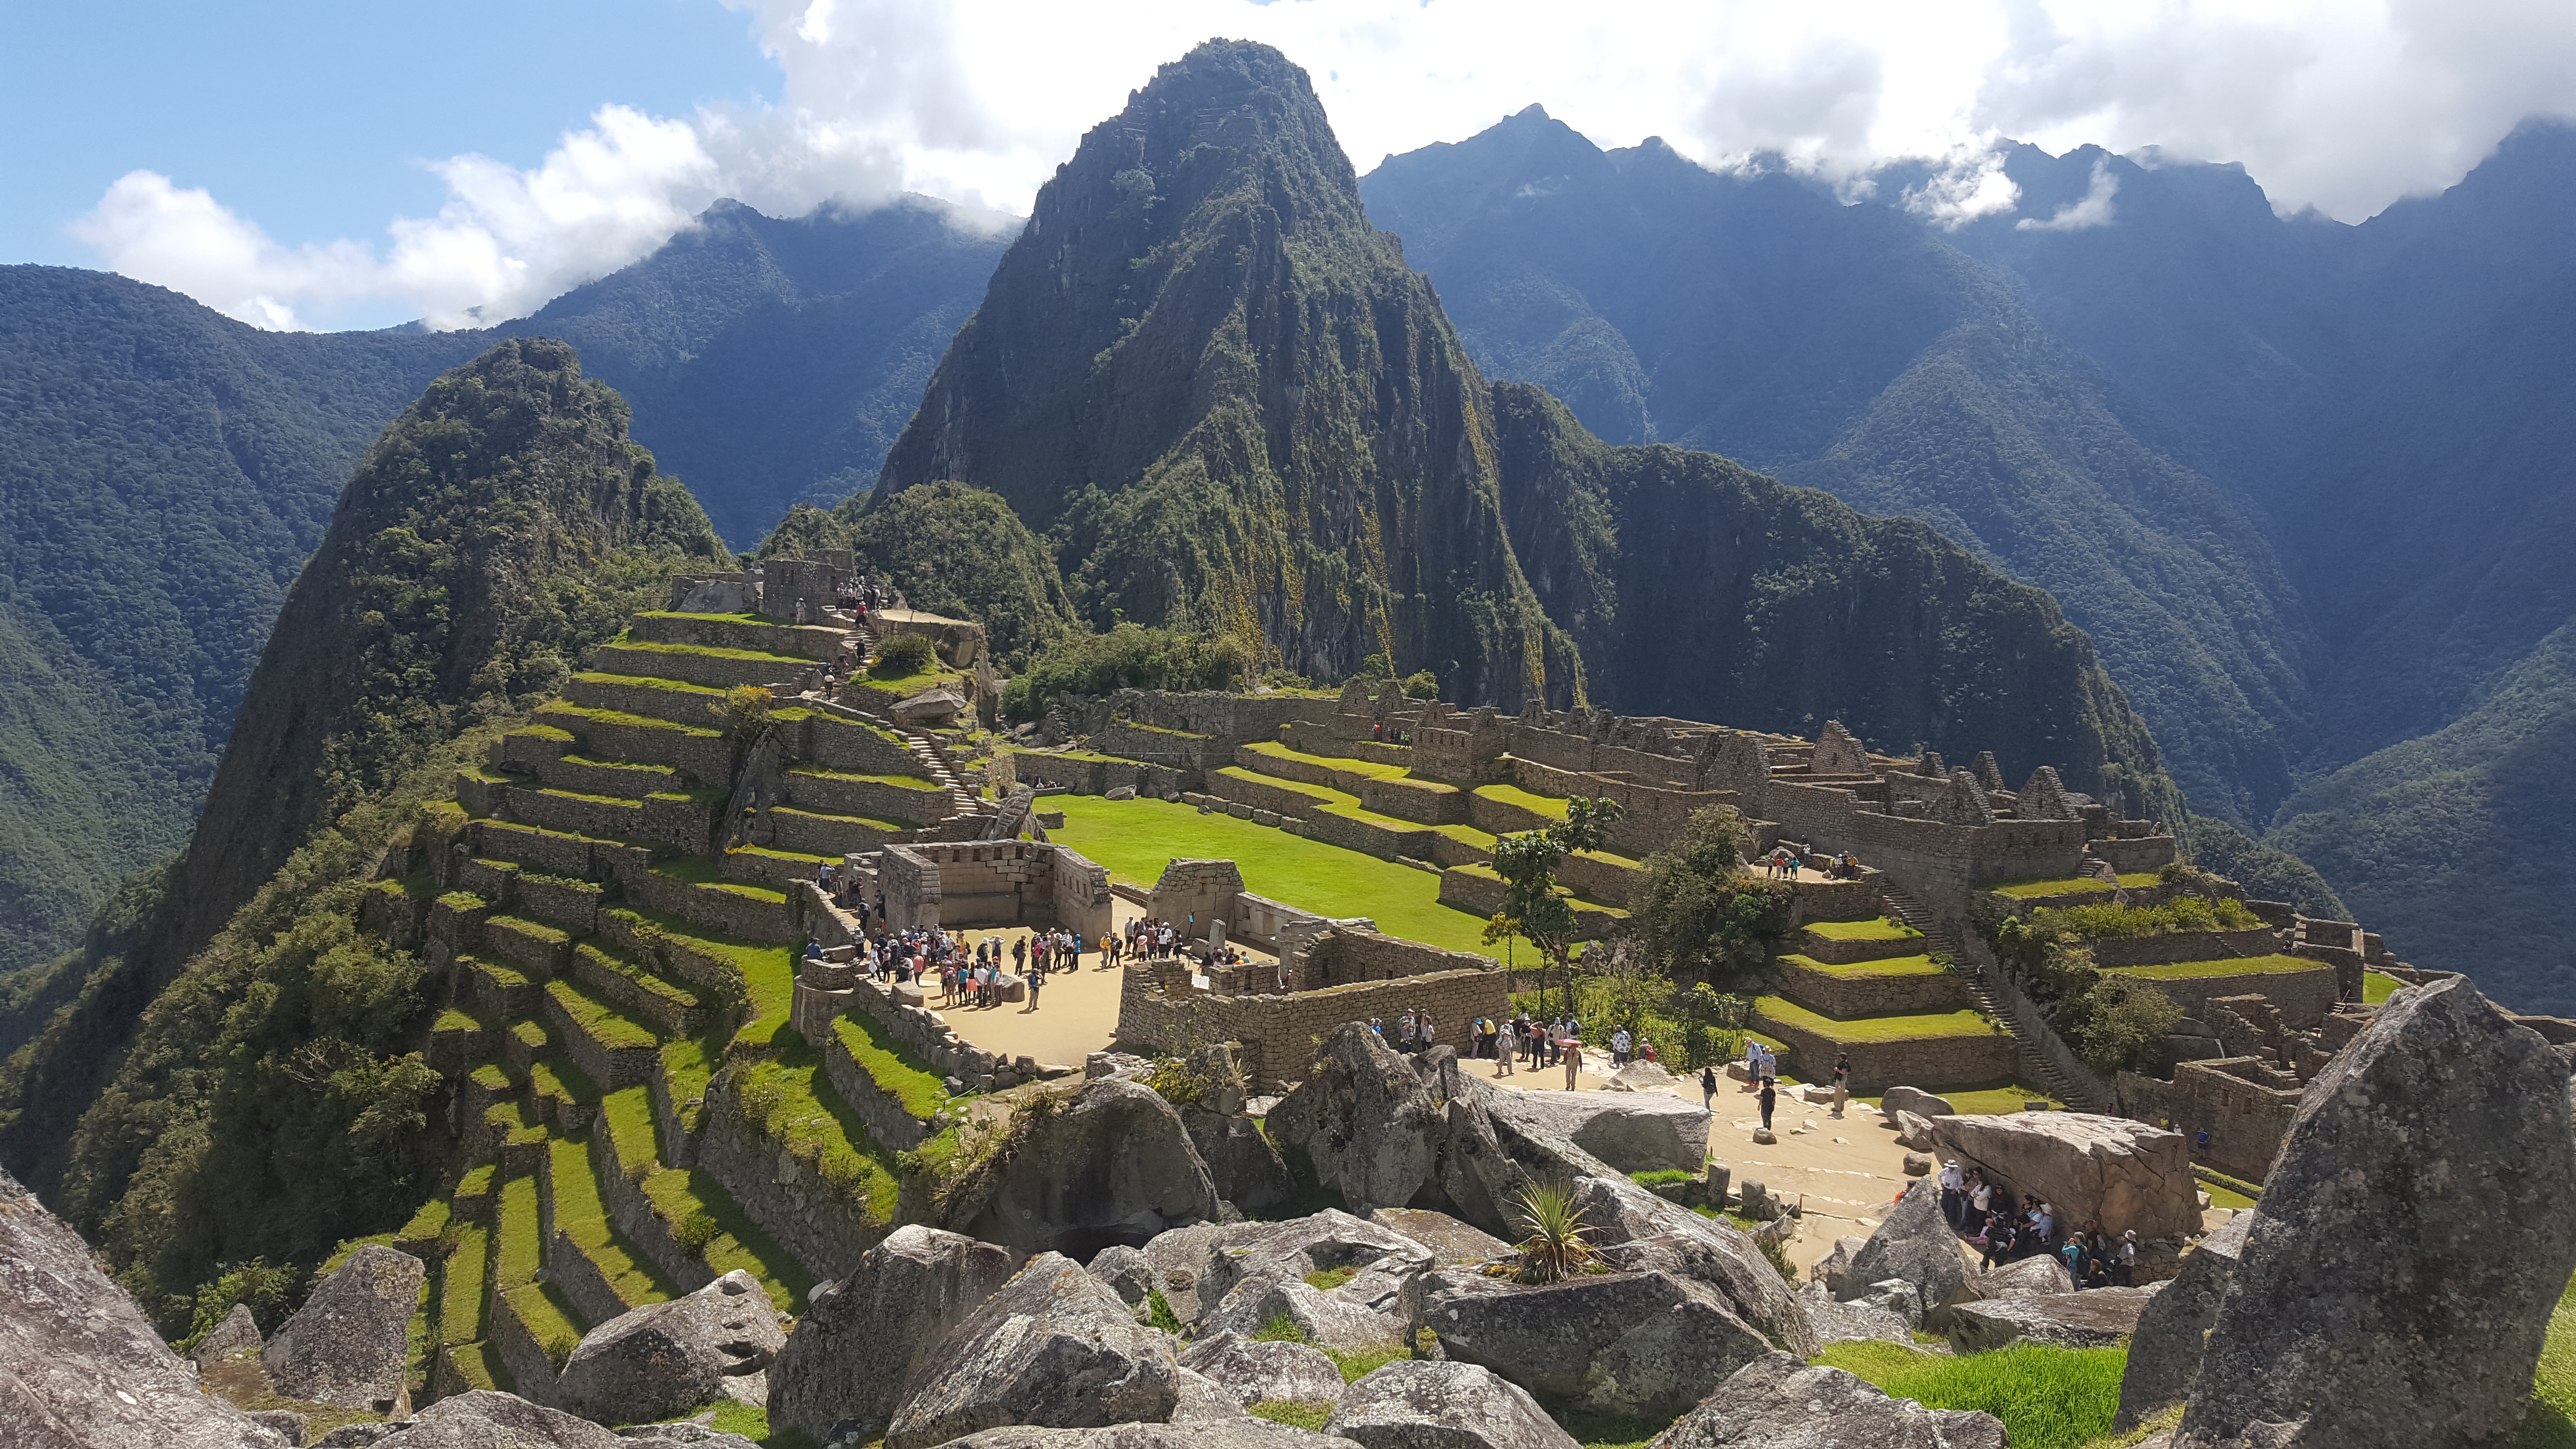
x=2330, y=104
x=2092, y=209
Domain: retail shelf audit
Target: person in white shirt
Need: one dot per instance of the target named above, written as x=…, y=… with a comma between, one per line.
x=1619, y=1042
x=1954, y=1199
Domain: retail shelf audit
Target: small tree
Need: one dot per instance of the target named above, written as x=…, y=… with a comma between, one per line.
x=902, y=655
x=1532, y=908
x=1696, y=912
x=743, y=714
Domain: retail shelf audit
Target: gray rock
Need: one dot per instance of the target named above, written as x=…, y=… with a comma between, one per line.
x=2164, y=1354
x=1640, y=1077
x=358, y=1435
x=2126, y=1174
x=1637, y=1231
x=1631, y=1131
x=1112, y=1164
x=2095, y=1318
x=1756, y=1201
x=79, y=1366
x=1327, y=1319
x=1251, y=1372
x=863, y=1337
x=285, y=1423
x=1778, y=1402
x=1915, y=1244
x=1917, y=1165
x=1638, y=1344
x=1127, y=1271
x=483, y=1419
x=1915, y=1100
x=1054, y=1348
x=2033, y=1277
x=1838, y=1322
x=1411, y=1404
x=1241, y=1433
x=1194, y=1267
x=1897, y=1298
x=1202, y=1398
x=2414, y=1236
x=1451, y=1241
x=1831, y=1269
x=349, y=1344
x=1245, y=1169
x=236, y=1336
x=1914, y=1131
x=665, y=1359
x=1365, y=1120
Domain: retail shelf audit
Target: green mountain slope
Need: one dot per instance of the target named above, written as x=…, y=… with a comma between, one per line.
x=1700, y=589
x=1205, y=370
x=500, y=527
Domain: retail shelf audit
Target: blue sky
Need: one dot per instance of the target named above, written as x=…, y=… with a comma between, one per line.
x=358, y=164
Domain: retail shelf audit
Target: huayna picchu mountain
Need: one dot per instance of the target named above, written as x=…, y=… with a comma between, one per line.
x=1223, y=392
x=1202, y=366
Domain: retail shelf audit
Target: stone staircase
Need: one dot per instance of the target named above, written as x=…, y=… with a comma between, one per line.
x=1942, y=940
x=936, y=767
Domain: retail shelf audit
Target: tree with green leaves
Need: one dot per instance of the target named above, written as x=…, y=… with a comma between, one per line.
x=1696, y=912
x=1533, y=909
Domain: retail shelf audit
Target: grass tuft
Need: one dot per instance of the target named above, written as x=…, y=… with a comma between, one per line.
x=2047, y=1398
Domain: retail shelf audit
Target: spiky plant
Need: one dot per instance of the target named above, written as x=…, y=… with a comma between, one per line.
x=1557, y=1245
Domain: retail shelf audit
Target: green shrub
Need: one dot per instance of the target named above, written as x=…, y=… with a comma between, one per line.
x=2114, y=1024
x=266, y=1289
x=1130, y=656
x=1160, y=1308
x=904, y=655
x=1280, y=1329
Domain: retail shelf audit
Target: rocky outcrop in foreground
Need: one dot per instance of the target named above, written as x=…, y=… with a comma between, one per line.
x=2127, y=1175
x=2414, y=1235
x=861, y=1339
x=79, y=1367
x=348, y=1344
x=665, y=1359
x=1112, y=1163
x=1779, y=1402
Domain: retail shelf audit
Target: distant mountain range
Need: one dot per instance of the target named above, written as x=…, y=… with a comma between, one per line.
x=2307, y=486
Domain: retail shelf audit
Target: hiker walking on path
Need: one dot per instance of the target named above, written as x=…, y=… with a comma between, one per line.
x=1842, y=1081
x=1707, y=1088
x=1573, y=1060
x=1770, y=1095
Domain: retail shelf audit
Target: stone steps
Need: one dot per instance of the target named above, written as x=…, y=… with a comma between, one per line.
x=961, y=800
x=1906, y=908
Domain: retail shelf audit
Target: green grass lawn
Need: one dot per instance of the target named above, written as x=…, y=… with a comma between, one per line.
x=1547, y=805
x=1135, y=839
x=1885, y=966
x=2024, y=890
x=1879, y=929
x=2552, y=1421
x=2378, y=986
x=2233, y=966
x=2048, y=1398
x=1874, y=1028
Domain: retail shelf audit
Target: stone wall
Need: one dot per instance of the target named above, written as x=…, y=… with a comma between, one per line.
x=1279, y=1034
x=2132, y=856
x=1840, y=995
x=797, y=590
x=1192, y=894
x=2303, y=998
x=2116, y=951
x=782, y=1190
x=704, y=756
x=819, y=643
x=2245, y=1120
x=1343, y=955
x=908, y=804
x=1479, y=892
x=842, y=744
x=1991, y=1059
x=718, y=671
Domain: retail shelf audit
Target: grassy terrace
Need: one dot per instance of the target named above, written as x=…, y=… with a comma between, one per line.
x=649, y=681
x=2378, y=986
x=1881, y=929
x=900, y=782
x=1889, y=966
x=673, y=992
x=705, y=1220
x=782, y=1097
x=2232, y=966
x=581, y=1216
x=558, y=709
x=717, y=651
x=888, y=1063
x=1135, y=839
x=2024, y=890
x=460, y=1286
x=605, y=1024
x=1548, y=805
x=1873, y=1028
x=1367, y=769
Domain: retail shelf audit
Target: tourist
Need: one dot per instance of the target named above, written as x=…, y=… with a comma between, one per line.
x=1573, y=1054
x=1995, y=1239
x=1980, y=1196
x=1404, y=1034
x=1842, y=1081
x=1752, y=1064
x=1954, y=1195
x=1427, y=1035
x=1506, y=1041
x=1036, y=980
x=1619, y=1041
x=2124, y=1262
x=2046, y=1223
x=1646, y=1053
x=2075, y=1255
x=1708, y=1088
x=1770, y=1096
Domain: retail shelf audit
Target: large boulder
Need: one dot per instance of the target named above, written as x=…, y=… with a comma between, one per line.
x=1451, y=1241
x=1236, y=1433
x=863, y=1337
x=1778, y=1402
x=1914, y=1132
x=1414, y=1404
x=1631, y=1131
x=1833, y=1269
x=1252, y=1371
x=1637, y=1231
x=2164, y=1354
x=665, y=1359
x=1053, y=1347
x=236, y=1337
x=1194, y=1267
x=1915, y=1244
x=1111, y=1163
x=483, y=1419
x=79, y=1366
x=349, y=1345
x=1639, y=1344
x=2128, y=1175
x=2037, y=1276
x=1640, y=1077
x=2095, y=1318
x=1327, y=1319
x=1246, y=1170
x=1835, y=1321
x=1365, y=1120
x=1915, y=1100
x=2414, y=1236
x=1127, y=1271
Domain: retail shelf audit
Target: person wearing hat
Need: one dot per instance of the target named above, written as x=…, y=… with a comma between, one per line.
x=2124, y=1264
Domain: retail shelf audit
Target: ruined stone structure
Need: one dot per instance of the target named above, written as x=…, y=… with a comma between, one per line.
x=991, y=883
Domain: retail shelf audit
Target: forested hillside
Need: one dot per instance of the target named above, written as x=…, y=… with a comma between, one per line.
x=266, y=1098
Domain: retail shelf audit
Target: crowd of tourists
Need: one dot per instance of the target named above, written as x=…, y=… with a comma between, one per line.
x=1781, y=862
x=2003, y=1231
